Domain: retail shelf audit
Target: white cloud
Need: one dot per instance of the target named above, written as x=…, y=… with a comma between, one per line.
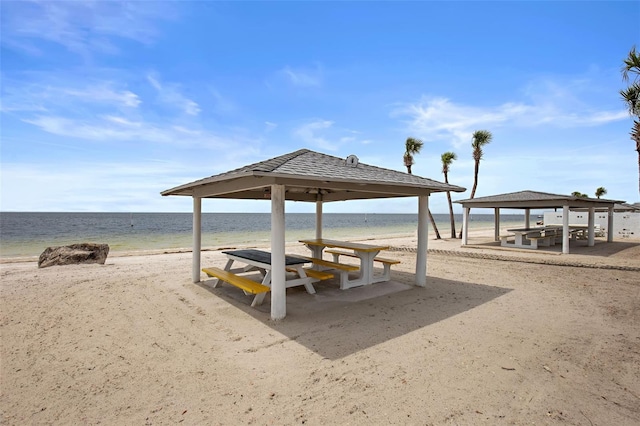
x=123, y=121
x=221, y=103
x=548, y=103
x=90, y=186
x=107, y=111
x=47, y=95
x=104, y=93
x=303, y=77
x=110, y=128
x=170, y=95
x=82, y=27
x=308, y=133
x=323, y=135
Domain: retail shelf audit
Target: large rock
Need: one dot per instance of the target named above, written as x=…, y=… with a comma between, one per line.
x=74, y=254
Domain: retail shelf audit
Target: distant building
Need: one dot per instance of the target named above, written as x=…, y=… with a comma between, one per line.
x=626, y=220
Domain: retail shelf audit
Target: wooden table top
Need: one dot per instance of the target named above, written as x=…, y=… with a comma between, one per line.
x=264, y=257
x=343, y=244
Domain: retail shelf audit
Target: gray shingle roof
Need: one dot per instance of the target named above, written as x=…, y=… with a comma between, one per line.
x=518, y=196
x=309, y=165
x=527, y=198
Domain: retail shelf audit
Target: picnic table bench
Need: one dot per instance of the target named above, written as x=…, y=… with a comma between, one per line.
x=247, y=285
x=365, y=252
x=260, y=260
x=386, y=262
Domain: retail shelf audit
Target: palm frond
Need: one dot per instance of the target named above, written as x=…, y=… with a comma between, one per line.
x=635, y=135
x=631, y=96
x=413, y=145
x=447, y=158
x=631, y=65
x=479, y=139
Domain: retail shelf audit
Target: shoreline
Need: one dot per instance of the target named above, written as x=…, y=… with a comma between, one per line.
x=475, y=232
x=158, y=233
x=480, y=246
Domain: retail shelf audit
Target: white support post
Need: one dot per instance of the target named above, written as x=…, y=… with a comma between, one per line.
x=197, y=239
x=496, y=224
x=610, y=226
x=565, y=229
x=423, y=238
x=278, y=285
x=527, y=218
x=465, y=225
x=319, y=217
x=591, y=231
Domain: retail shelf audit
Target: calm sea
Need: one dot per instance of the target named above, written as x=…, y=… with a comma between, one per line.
x=28, y=234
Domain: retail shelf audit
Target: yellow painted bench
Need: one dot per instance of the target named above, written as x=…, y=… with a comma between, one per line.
x=245, y=284
x=337, y=253
x=315, y=274
x=341, y=268
x=334, y=265
x=386, y=262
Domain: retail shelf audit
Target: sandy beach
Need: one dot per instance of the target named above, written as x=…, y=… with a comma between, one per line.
x=496, y=337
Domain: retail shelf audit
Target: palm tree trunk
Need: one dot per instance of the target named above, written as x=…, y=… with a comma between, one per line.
x=635, y=135
x=475, y=179
x=451, y=218
x=433, y=223
x=475, y=185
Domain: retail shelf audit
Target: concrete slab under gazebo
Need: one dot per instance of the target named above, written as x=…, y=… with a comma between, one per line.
x=528, y=200
x=308, y=176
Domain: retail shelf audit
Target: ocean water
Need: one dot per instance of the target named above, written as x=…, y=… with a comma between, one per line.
x=28, y=234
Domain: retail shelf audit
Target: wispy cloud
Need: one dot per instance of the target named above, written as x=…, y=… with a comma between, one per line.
x=309, y=134
x=112, y=129
x=170, y=94
x=323, y=135
x=222, y=104
x=303, y=77
x=131, y=186
x=81, y=27
x=38, y=94
x=440, y=118
x=106, y=111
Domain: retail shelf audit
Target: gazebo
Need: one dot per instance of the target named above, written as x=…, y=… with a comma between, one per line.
x=305, y=175
x=527, y=200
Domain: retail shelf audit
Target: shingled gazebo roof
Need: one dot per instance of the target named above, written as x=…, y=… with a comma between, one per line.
x=534, y=200
x=306, y=174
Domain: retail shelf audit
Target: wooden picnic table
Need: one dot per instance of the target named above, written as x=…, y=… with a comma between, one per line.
x=261, y=260
x=365, y=252
x=521, y=235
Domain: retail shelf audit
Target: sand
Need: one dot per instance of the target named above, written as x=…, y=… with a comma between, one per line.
x=496, y=337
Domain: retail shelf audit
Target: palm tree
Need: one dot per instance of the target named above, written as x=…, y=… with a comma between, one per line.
x=447, y=158
x=479, y=139
x=579, y=194
x=631, y=96
x=412, y=147
x=601, y=191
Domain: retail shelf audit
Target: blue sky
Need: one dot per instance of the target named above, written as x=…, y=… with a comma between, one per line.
x=105, y=104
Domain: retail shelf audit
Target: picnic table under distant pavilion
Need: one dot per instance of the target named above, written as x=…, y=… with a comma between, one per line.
x=528, y=200
x=309, y=176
